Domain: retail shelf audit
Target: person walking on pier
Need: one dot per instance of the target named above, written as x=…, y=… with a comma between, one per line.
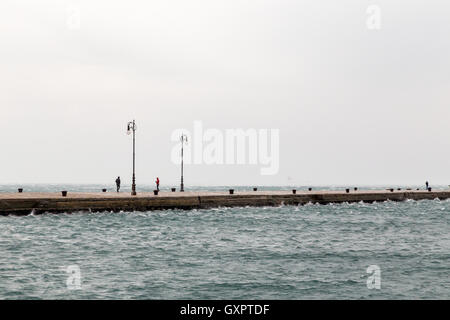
x=118, y=183
x=427, y=185
x=157, y=183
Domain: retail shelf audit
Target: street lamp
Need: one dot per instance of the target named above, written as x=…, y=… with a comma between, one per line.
x=132, y=128
x=183, y=139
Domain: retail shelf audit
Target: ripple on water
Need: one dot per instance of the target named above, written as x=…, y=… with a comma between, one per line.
x=293, y=252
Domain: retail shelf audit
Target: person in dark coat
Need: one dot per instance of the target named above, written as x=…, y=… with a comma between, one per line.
x=118, y=184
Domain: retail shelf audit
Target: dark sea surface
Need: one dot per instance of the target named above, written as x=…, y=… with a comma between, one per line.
x=286, y=252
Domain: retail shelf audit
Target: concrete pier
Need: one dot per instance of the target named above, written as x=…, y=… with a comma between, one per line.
x=26, y=203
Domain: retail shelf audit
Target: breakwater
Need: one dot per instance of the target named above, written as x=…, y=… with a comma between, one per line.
x=26, y=203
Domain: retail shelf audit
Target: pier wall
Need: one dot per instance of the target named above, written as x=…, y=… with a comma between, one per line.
x=23, y=204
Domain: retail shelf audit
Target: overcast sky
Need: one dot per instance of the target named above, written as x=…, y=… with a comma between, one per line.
x=353, y=105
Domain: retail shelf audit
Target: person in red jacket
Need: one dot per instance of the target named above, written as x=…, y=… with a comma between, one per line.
x=157, y=183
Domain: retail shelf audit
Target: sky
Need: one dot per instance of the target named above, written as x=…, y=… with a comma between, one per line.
x=354, y=104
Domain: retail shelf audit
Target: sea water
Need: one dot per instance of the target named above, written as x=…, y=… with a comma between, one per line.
x=385, y=250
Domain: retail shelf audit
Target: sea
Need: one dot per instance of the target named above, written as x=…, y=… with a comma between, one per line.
x=382, y=250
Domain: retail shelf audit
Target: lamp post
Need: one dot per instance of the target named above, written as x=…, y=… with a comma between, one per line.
x=132, y=128
x=183, y=139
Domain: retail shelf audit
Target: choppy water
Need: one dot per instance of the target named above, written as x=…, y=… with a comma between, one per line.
x=305, y=252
